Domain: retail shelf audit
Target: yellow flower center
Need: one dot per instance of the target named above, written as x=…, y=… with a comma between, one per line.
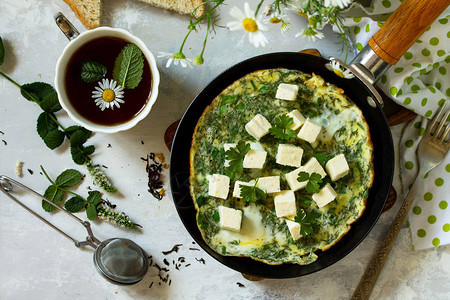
x=275, y=20
x=339, y=73
x=250, y=25
x=108, y=95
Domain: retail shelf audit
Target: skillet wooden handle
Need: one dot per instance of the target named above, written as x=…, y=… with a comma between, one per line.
x=404, y=27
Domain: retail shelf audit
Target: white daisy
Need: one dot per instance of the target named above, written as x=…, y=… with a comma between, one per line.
x=340, y=3
x=176, y=58
x=248, y=22
x=277, y=18
x=108, y=94
x=339, y=70
x=311, y=34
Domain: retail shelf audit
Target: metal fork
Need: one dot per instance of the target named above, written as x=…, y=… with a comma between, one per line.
x=431, y=151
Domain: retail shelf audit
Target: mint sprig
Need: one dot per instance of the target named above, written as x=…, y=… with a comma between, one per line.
x=236, y=155
x=94, y=205
x=314, y=183
x=52, y=132
x=280, y=128
x=129, y=66
x=306, y=221
x=92, y=71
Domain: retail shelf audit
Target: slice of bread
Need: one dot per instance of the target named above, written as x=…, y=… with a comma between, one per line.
x=180, y=6
x=88, y=11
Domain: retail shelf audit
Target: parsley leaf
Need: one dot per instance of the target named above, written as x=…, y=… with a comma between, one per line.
x=314, y=181
x=280, y=128
x=306, y=221
x=250, y=194
x=236, y=156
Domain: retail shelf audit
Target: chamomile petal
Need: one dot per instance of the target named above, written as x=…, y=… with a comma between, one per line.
x=107, y=94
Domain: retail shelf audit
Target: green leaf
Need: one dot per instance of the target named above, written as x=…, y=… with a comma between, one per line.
x=69, y=177
x=250, y=194
x=77, y=155
x=200, y=201
x=306, y=201
x=55, y=195
x=94, y=197
x=50, y=102
x=216, y=216
x=2, y=52
x=45, y=124
x=129, y=66
x=91, y=212
x=79, y=137
x=316, y=177
x=74, y=204
x=74, y=128
x=312, y=187
x=236, y=156
x=306, y=221
x=54, y=139
x=89, y=150
x=264, y=89
x=303, y=176
x=37, y=91
x=92, y=71
x=280, y=128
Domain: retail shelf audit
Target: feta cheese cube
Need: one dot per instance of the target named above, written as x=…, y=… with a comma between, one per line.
x=287, y=91
x=325, y=196
x=227, y=147
x=298, y=118
x=294, y=229
x=237, y=187
x=254, y=159
x=309, y=131
x=285, y=204
x=219, y=186
x=230, y=218
x=313, y=166
x=291, y=179
x=289, y=155
x=258, y=127
x=269, y=184
x=337, y=167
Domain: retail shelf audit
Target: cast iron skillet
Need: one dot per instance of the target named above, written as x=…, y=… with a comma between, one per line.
x=383, y=162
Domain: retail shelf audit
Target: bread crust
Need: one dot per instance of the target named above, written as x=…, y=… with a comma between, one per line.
x=184, y=7
x=85, y=20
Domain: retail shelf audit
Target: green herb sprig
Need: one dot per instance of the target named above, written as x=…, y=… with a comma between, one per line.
x=306, y=221
x=251, y=194
x=129, y=66
x=236, y=156
x=280, y=128
x=53, y=133
x=92, y=71
x=94, y=205
x=314, y=183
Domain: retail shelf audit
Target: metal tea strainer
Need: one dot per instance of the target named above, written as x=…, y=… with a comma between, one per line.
x=119, y=260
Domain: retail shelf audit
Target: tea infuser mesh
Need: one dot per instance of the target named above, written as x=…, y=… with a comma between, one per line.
x=119, y=260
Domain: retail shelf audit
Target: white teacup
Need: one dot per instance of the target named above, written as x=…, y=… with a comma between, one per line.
x=76, y=41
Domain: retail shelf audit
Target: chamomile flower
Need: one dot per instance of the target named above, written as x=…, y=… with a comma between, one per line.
x=341, y=3
x=176, y=58
x=108, y=94
x=310, y=33
x=276, y=18
x=339, y=70
x=248, y=22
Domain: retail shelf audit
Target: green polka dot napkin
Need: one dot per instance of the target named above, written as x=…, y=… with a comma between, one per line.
x=420, y=81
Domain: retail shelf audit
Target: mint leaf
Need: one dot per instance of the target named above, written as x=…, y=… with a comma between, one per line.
x=77, y=155
x=74, y=128
x=89, y=150
x=280, y=128
x=50, y=102
x=69, y=177
x=129, y=66
x=37, y=91
x=79, y=137
x=54, y=139
x=2, y=52
x=94, y=197
x=55, y=195
x=91, y=212
x=45, y=124
x=74, y=204
x=92, y=71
